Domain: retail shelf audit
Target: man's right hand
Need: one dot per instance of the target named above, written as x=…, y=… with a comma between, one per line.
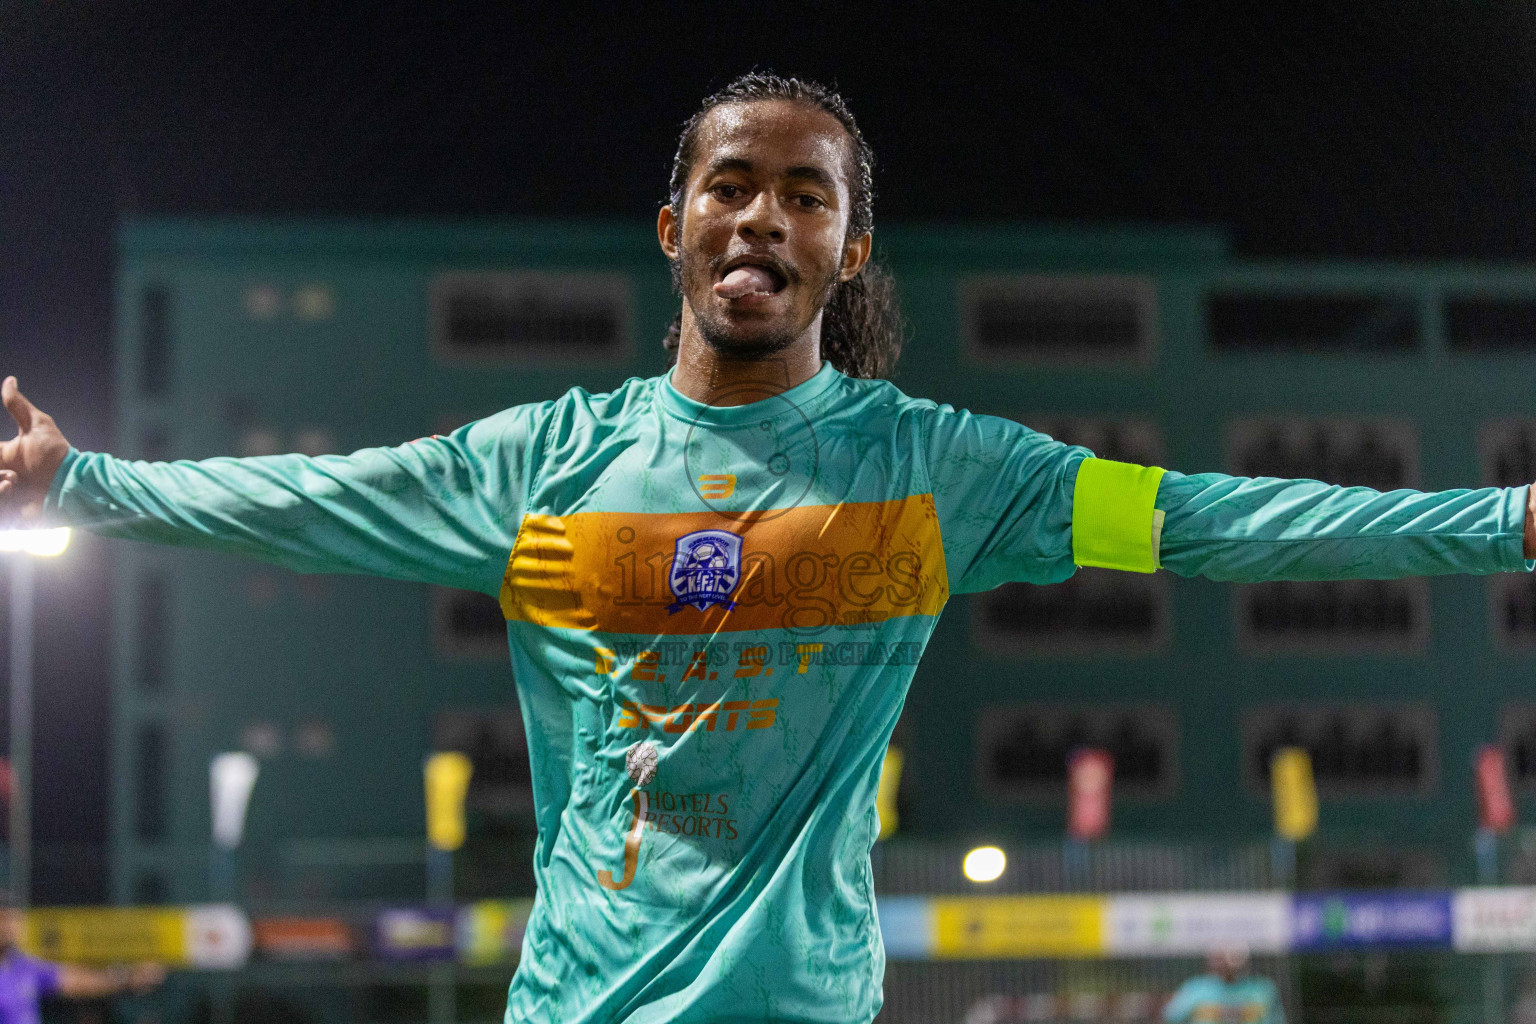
x=29, y=461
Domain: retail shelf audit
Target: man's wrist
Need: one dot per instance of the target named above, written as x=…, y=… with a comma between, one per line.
x=50, y=503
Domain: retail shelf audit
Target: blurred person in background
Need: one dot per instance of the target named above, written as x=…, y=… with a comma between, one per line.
x=785, y=493
x=1524, y=1010
x=25, y=980
x=1228, y=993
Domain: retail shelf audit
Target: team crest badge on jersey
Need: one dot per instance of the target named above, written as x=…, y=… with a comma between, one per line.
x=706, y=569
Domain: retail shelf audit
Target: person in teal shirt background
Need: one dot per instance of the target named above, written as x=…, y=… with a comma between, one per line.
x=1227, y=994
x=717, y=581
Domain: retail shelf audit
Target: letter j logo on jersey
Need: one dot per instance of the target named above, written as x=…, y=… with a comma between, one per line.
x=705, y=570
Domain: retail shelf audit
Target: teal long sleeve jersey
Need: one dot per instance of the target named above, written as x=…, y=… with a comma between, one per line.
x=1251, y=1000
x=714, y=614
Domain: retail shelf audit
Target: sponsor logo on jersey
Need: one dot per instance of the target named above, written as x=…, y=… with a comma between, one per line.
x=713, y=486
x=706, y=569
x=809, y=569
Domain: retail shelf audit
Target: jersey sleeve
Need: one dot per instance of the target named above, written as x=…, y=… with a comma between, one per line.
x=1003, y=494
x=443, y=509
x=1276, y=1010
x=1263, y=528
x=1178, y=1008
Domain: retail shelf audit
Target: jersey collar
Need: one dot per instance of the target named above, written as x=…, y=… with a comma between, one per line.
x=797, y=397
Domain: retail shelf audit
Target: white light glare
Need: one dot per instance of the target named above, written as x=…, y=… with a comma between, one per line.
x=984, y=864
x=42, y=543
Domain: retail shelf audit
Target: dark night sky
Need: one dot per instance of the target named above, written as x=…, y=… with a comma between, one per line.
x=1395, y=130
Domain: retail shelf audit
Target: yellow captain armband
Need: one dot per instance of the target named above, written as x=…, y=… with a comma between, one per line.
x=1114, y=524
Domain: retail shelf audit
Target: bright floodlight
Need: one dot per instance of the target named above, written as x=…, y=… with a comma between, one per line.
x=43, y=543
x=984, y=864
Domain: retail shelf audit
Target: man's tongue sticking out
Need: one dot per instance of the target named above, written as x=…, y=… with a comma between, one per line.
x=745, y=280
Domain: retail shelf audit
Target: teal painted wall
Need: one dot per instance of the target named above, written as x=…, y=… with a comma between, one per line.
x=250, y=644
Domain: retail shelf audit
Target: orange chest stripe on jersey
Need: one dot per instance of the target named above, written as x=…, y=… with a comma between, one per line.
x=804, y=568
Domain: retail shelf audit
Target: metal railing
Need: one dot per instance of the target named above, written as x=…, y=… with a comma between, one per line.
x=928, y=868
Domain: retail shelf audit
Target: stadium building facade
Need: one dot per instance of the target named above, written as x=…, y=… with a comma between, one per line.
x=1146, y=345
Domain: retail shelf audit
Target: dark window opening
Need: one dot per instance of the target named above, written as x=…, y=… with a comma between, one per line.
x=1355, y=453
x=1371, y=867
x=1025, y=748
x=153, y=632
x=1344, y=610
x=514, y=316
x=1242, y=320
x=1517, y=729
x=155, y=341
x=151, y=756
x=497, y=747
x=1094, y=606
x=1509, y=453
x=155, y=444
x=1123, y=440
x=1515, y=608
x=468, y=624
x=1485, y=322
x=1058, y=319
x=1356, y=748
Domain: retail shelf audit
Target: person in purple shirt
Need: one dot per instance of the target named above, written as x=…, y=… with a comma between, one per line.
x=26, y=980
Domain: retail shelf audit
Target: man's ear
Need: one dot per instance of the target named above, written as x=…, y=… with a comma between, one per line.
x=855, y=255
x=666, y=232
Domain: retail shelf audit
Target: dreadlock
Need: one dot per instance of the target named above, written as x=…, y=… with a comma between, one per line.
x=861, y=330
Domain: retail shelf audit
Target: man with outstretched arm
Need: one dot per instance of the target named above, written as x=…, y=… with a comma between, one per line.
x=26, y=980
x=716, y=581
x=1226, y=992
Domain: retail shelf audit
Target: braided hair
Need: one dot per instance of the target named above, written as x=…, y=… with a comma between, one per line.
x=861, y=330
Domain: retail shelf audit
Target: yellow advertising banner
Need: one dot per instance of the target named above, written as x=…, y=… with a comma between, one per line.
x=107, y=935
x=1018, y=926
